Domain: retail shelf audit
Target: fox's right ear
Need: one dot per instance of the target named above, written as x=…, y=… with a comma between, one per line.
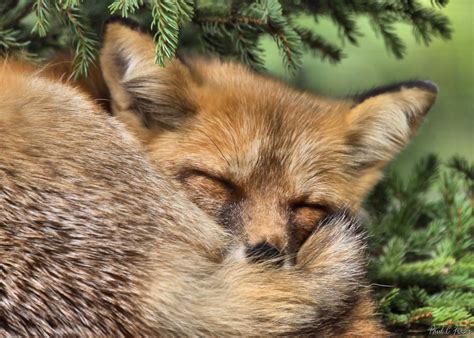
x=158, y=95
x=383, y=120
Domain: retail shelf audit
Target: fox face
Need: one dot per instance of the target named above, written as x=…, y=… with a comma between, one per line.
x=266, y=161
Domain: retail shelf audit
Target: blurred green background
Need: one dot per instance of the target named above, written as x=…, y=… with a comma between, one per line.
x=449, y=128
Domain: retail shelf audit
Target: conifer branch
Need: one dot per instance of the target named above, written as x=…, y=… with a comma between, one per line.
x=165, y=23
x=424, y=246
x=9, y=40
x=317, y=44
x=125, y=7
x=229, y=28
x=85, y=39
x=42, y=9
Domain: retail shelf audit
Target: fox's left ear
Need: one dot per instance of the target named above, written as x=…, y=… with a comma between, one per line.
x=152, y=94
x=382, y=121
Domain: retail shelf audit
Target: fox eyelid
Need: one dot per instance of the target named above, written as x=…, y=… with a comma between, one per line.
x=316, y=206
x=230, y=186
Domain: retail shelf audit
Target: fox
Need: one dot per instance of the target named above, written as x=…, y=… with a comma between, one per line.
x=96, y=239
x=266, y=162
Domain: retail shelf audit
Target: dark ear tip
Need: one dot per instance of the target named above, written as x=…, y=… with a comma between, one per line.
x=395, y=87
x=129, y=23
x=123, y=21
x=428, y=85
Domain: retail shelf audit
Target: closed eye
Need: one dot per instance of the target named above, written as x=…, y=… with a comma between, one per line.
x=313, y=206
x=196, y=173
x=208, y=191
x=305, y=218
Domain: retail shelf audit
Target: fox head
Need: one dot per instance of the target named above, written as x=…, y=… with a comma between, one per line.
x=266, y=161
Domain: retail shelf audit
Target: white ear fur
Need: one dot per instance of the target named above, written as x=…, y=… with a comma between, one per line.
x=383, y=120
x=125, y=54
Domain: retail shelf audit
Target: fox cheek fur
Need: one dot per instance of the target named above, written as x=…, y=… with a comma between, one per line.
x=265, y=161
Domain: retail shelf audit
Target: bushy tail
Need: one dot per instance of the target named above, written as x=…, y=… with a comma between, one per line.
x=232, y=297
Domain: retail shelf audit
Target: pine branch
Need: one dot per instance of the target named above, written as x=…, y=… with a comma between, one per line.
x=9, y=40
x=42, y=11
x=383, y=26
x=165, y=22
x=424, y=173
x=317, y=44
x=229, y=28
x=422, y=246
x=427, y=23
x=85, y=39
x=264, y=16
x=185, y=11
x=125, y=7
x=346, y=23
x=287, y=39
x=461, y=165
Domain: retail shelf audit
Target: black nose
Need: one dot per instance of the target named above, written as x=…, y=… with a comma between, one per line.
x=263, y=252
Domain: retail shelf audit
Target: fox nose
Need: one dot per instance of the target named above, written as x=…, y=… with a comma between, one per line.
x=263, y=252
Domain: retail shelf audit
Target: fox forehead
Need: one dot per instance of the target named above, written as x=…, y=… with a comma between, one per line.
x=264, y=135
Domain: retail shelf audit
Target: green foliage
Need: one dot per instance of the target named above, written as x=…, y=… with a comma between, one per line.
x=165, y=22
x=84, y=38
x=230, y=28
x=125, y=7
x=421, y=249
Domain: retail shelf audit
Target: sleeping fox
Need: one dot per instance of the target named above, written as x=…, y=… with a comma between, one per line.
x=96, y=241
x=266, y=251
x=263, y=160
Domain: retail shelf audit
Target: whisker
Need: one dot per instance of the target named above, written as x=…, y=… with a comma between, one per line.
x=217, y=147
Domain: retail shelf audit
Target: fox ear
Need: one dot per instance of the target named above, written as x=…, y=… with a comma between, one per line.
x=158, y=95
x=383, y=120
